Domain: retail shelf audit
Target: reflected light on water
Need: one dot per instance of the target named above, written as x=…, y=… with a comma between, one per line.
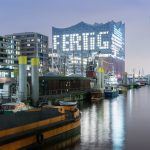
x=89, y=125
x=118, y=133
x=130, y=101
x=103, y=124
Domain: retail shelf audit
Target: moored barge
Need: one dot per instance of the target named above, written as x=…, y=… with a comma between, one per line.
x=36, y=127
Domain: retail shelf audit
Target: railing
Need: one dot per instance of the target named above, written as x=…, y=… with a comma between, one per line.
x=65, y=91
x=5, y=96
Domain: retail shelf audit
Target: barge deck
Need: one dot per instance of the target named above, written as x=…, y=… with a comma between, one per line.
x=31, y=128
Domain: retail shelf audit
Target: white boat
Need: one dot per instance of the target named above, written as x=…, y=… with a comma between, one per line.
x=67, y=103
x=111, y=87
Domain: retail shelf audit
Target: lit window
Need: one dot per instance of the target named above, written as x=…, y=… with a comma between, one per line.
x=75, y=42
x=55, y=42
x=101, y=43
x=85, y=41
x=65, y=42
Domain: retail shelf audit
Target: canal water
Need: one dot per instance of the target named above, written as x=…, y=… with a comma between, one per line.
x=122, y=123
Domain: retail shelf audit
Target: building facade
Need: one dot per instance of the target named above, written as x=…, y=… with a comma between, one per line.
x=33, y=45
x=81, y=43
x=54, y=61
x=9, y=51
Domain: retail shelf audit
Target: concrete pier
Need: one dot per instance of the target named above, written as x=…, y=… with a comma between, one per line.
x=35, y=80
x=22, y=93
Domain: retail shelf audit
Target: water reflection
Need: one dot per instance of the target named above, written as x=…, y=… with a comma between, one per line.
x=130, y=98
x=117, y=116
x=89, y=125
x=103, y=125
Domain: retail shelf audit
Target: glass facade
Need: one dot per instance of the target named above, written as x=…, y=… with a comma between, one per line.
x=80, y=43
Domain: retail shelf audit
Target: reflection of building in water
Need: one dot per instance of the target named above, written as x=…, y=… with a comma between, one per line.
x=103, y=125
x=118, y=123
x=89, y=126
x=80, y=43
x=113, y=123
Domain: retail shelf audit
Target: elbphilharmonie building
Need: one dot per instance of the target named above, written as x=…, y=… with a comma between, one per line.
x=81, y=43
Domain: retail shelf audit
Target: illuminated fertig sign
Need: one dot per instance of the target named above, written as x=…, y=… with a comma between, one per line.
x=82, y=41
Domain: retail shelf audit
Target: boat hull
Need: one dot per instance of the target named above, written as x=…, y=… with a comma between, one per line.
x=38, y=133
x=96, y=96
x=110, y=94
x=136, y=86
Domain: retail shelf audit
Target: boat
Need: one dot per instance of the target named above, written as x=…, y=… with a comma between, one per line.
x=38, y=126
x=67, y=103
x=90, y=70
x=137, y=84
x=96, y=95
x=111, y=91
x=13, y=107
x=142, y=81
x=111, y=87
x=122, y=89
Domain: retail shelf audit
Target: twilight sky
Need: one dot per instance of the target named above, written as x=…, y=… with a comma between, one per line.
x=41, y=15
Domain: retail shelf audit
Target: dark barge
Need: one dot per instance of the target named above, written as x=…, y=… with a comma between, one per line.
x=62, y=84
x=36, y=127
x=56, y=88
